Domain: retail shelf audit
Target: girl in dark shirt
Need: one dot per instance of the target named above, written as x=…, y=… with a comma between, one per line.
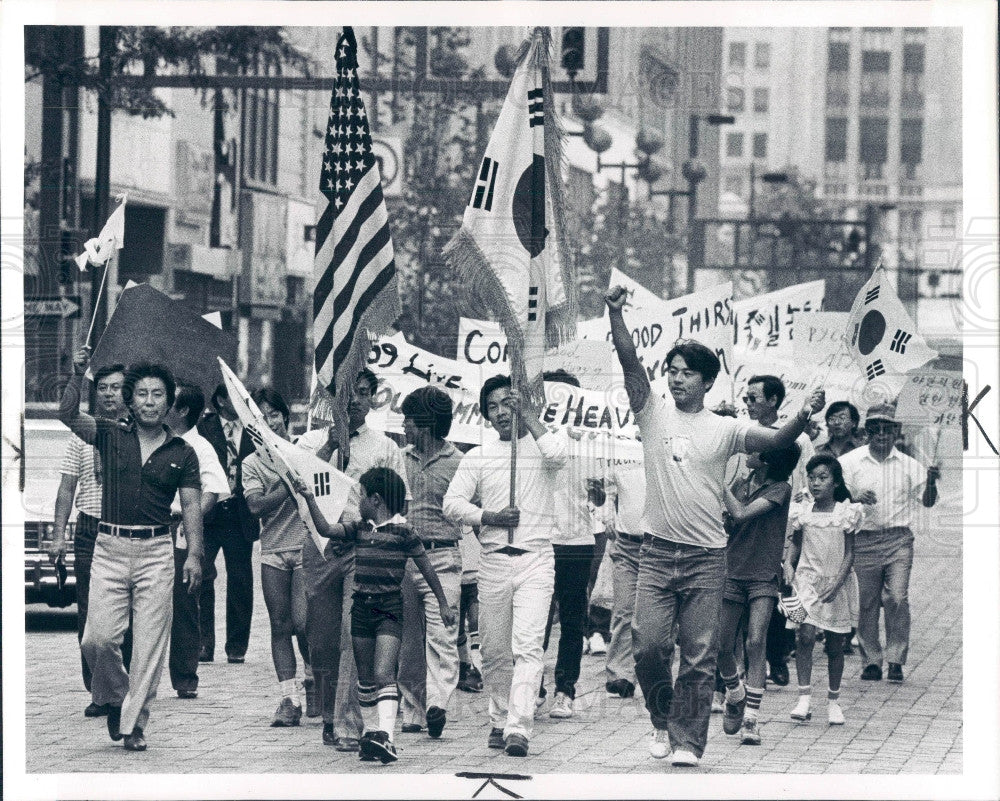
x=383, y=542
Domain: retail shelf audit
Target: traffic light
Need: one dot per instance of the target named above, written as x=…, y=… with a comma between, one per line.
x=572, y=51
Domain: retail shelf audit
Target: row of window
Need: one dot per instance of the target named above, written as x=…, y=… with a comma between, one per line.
x=738, y=55
x=873, y=138
x=735, y=145
x=736, y=99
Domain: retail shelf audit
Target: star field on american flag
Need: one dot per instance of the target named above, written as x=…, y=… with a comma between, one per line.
x=348, y=138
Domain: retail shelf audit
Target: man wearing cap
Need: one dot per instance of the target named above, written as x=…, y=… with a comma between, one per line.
x=888, y=483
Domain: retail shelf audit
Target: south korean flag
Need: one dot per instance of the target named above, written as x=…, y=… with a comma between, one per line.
x=880, y=334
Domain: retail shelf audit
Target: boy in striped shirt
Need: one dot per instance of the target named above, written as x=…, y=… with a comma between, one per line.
x=383, y=542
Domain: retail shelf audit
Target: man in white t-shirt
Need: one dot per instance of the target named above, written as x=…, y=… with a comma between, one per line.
x=682, y=567
x=890, y=483
x=185, y=636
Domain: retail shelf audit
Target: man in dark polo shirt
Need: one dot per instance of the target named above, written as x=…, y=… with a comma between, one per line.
x=144, y=465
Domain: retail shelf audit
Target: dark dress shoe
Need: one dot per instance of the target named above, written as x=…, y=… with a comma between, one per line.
x=895, y=674
x=779, y=674
x=135, y=741
x=204, y=655
x=328, y=736
x=411, y=728
x=871, y=673
x=114, y=722
x=95, y=710
x=346, y=744
x=436, y=718
x=187, y=693
x=236, y=659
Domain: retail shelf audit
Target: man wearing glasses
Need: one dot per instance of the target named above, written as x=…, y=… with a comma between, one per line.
x=842, y=421
x=888, y=483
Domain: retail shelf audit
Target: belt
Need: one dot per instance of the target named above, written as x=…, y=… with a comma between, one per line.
x=430, y=545
x=133, y=532
x=630, y=537
x=510, y=550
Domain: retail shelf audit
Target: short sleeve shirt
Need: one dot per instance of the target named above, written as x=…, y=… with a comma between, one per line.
x=380, y=555
x=428, y=483
x=137, y=493
x=81, y=462
x=213, y=478
x=282, y=529
x=898, y=483
x=756, y=545
x=685, y=457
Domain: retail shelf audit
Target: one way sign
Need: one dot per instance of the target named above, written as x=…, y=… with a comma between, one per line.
x=65, y=307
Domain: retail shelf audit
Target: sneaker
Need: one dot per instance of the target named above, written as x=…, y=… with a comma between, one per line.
x=732, y=714
x=495, y=739
x=895, y=674
x=834, y=714
x=801, y=711
x=365, y=751
x=288, y=713
x=597, y=644
x=750, y=734
x=562, y=706
x=381, y=747
x=872, y=673
x=436, y=718
x=659, y=744
x=623, y=688
x=684, y=759
x=718, y=702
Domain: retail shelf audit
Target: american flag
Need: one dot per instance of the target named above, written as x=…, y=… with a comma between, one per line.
x=355, y=272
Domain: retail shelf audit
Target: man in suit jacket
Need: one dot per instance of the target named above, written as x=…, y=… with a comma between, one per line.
x=231, y=528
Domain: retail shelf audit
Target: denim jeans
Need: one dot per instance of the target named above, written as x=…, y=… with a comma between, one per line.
x=428, y=653
x=883, y=562
x=514, y=597
x=134, y=576
x=329, y=586
x=683, y=584
x=572, y=572
x=625, y=558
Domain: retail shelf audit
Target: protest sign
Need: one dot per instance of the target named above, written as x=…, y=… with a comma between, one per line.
x=931, y=398
x=149, y=326
x=766, y=322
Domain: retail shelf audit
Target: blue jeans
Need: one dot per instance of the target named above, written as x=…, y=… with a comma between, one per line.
x=678, y=585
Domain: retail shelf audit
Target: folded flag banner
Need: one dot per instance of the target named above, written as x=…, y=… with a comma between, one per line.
x=107, y=243
x=356, y=295
x=880, y=334
x=331, y=487
x=512, y=266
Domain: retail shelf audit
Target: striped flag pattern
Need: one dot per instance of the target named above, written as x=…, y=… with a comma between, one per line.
x=356, y=293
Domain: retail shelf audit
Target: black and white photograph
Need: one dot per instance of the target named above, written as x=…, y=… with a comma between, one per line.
x=523, y=400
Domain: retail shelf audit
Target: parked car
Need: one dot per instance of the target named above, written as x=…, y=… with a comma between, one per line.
x=44, y=442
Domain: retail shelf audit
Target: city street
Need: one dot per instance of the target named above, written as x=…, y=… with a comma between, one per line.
x=913, y=728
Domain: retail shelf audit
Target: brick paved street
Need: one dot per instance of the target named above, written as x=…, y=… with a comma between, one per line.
x=912, y=728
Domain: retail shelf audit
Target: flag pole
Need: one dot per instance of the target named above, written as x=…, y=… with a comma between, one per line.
x=100, y=294
x=514, y=431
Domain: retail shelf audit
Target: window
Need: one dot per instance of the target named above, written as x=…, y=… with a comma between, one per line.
x=760, y=145
x=260, y=129
x=948, y=219
x=838, y=56
x=911, y=134
x=875, y=78
x=737, y=55
x=762, y=55
x=836, y=139
x=872, y=149
x=734, y=145
x=734, y=99
x=760, y=98
x=733, y=185
x=910, y=222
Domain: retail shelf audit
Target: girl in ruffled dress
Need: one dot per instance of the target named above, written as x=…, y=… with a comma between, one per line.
x=819, y=569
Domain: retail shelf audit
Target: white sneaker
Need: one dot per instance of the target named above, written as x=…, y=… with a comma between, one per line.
x=685, y=759
x=562, y=706
x=597, y=645
x=718, y=702
x=834, y=714
x=801, y=711
x=659, y=744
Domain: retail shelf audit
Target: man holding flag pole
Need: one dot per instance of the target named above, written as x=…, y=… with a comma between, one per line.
x=512, y=270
